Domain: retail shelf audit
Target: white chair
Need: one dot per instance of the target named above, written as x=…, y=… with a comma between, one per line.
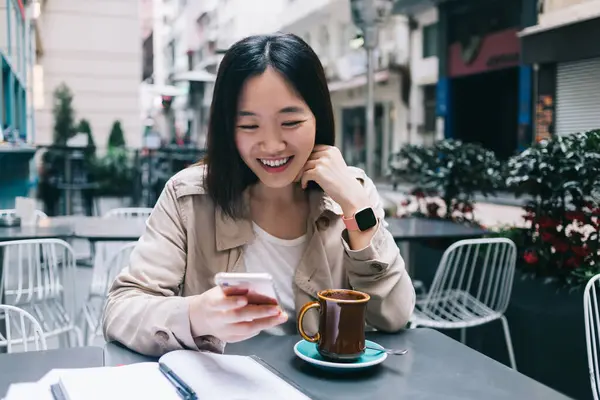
x=39, y=276
x=102, y=251
x=39, y=214
x=21, y=329
x=592, y=331
x=471, y=287
x=94, y=306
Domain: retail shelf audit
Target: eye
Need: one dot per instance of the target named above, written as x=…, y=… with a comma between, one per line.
x=248, y=127
x=291, y=124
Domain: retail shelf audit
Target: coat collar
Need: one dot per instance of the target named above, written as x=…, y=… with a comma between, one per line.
x=232, y=233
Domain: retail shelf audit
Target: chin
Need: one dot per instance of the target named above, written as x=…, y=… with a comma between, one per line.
x=276, y=180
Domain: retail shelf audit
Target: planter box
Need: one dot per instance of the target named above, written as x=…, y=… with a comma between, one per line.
x=547, y=327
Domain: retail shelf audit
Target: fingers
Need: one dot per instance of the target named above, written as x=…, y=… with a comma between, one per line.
x=252, y=328
x=310, y=164
x=230, y=303
x=251, y=312
x=321, y=147
x=307, y=176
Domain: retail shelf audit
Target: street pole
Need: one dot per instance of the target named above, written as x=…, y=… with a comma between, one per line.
x=370, y=109
x=368, y=15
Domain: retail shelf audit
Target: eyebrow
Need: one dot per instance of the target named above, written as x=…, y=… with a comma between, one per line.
x=285, y=110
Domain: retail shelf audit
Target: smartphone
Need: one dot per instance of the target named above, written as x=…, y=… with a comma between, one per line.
x=259, y=288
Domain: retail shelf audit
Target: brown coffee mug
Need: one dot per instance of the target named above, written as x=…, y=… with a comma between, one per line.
x=341, y=335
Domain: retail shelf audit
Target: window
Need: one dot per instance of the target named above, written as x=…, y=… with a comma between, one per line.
x=429, y=102
x=430, y=40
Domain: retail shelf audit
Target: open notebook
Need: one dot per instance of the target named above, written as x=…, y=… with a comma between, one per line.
x=208, y=375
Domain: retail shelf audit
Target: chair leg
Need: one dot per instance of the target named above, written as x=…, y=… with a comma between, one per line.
x=509, y=346
x=463, y=336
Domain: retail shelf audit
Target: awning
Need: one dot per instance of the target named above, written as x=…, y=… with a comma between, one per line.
x=562, y=41
x=358, y=81
x=195, y=76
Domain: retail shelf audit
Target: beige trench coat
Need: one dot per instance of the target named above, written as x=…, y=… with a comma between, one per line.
x=188, y=240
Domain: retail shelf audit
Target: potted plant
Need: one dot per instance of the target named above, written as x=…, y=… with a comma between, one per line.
x=114, y=173
x=53, y=159
x=446, y=177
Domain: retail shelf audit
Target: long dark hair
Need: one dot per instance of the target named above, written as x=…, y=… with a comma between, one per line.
x=227, y=176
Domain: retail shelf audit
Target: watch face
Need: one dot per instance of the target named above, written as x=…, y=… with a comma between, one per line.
x=365, y=219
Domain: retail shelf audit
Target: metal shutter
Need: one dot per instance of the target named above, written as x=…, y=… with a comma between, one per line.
x=578, y=96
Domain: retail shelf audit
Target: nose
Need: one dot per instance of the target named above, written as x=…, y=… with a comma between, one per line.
x=273, y=142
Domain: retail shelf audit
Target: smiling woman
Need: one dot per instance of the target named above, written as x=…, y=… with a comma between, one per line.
x=276, y=93
x=275, y=196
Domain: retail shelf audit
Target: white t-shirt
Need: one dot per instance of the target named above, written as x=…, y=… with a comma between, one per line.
x=278, y=257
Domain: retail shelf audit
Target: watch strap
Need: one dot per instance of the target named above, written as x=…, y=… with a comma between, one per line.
x=351, y=223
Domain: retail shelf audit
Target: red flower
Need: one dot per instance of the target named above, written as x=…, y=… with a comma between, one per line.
x=467, y=208
x=547, y=222
x=560, y=246
x=528, y=217
x=572, y=262
x=582, y=251
x=531, y=257
x=547, y=237
x=419, y=194
x=575, y=216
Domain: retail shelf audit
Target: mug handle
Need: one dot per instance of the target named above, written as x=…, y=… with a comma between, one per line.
x=303, y=310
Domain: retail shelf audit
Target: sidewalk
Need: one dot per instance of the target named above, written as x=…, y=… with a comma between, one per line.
x=492, y=212
x=501, y=198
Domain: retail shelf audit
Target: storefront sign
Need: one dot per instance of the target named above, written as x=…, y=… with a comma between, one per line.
x=497, y=50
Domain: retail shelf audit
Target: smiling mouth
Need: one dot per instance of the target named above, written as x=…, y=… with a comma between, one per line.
x=275, y=164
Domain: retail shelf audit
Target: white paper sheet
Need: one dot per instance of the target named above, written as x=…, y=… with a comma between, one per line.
x=229, y=377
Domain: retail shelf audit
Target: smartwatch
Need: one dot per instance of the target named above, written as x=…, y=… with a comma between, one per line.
x=362, y=220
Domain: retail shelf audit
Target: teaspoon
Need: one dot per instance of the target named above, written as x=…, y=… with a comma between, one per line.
x=393, y=352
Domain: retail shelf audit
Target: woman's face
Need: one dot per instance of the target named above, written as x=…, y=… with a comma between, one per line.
x=275, y=129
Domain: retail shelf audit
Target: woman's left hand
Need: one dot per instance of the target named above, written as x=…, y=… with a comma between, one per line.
x=326, y=167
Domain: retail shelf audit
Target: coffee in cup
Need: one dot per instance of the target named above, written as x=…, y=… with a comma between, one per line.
x=342, y=316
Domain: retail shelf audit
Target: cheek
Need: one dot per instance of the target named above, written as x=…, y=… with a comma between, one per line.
x=243, y=145
x=304, y=139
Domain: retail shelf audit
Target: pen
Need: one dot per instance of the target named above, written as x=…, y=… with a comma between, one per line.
x=183, y=390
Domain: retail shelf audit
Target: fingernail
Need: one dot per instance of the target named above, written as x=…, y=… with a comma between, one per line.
x=241, y=302
x=283, y=317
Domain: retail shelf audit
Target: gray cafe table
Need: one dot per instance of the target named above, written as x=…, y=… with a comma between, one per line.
x=32, y=366
x=435, y=367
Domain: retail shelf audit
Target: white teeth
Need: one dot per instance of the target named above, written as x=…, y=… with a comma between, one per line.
x=275, y=163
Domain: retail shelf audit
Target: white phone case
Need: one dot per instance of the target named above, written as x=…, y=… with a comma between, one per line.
x=261, y=283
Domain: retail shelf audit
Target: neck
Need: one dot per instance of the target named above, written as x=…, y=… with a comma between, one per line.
x=285, y=195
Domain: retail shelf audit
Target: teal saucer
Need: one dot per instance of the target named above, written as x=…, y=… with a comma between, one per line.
x=308, y=352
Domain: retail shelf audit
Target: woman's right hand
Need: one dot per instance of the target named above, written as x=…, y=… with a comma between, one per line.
x=230, y=318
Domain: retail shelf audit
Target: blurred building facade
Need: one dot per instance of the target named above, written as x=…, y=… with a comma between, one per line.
x=423, y=126
x=564, y=49
x=328, y=27
x=94, y=48
x=197, y=33
x=17, y=54
x=484, y=90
